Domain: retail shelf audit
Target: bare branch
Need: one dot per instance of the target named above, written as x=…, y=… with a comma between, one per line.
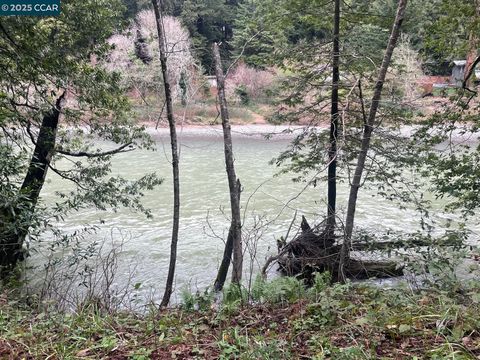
x=118, y=150
x=241, y=53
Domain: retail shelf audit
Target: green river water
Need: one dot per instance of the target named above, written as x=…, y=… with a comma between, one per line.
x=204, y=193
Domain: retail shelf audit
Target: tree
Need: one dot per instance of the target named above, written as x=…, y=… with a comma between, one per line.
x=451, y=34
x=310, y=77
x=252, y=41
x=307, y=58
x=53, y=97
x=455, y=33
x=234, y=240
x=443, y=156
x=420, y=16
x=209, y=21
x=133, y=7
x=142, y=72
x=366, y=138
x=175, y=154
x=332, y=151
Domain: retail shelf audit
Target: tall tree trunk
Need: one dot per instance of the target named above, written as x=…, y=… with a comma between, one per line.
x=366, y=138
x=175, y=156
x=332, y=152
x=11, y=242
x=234, y=240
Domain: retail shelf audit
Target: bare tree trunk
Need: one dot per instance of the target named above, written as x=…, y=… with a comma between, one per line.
x=332, y=152
x=366, y=138
x=227, y=256
x=175, y=156
x=11, y=242
x=234, y=241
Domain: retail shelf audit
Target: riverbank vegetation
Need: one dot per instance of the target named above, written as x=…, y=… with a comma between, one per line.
x=380, y=101
x=284, y=320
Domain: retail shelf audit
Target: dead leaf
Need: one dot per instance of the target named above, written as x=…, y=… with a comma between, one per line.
x=84, y=353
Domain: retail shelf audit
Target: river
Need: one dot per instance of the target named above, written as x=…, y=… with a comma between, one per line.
x=204, y=196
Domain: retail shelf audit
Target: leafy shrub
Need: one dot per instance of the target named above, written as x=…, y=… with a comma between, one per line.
x=196, y=301
x=279, y=290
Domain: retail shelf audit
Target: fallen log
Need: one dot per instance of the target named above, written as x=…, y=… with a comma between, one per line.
x=354, y=269
x=399, y=244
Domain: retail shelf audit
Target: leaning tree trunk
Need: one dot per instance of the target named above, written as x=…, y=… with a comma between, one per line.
x=227, y=254
x=332, y=152
x=234, y=240
x=175, y=156
x=11, y=242
x=366, y=138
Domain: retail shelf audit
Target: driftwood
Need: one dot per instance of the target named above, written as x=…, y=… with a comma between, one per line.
x=317, y=251
x=312, y=252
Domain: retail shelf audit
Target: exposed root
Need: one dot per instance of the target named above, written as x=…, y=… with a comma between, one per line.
x=313, y=251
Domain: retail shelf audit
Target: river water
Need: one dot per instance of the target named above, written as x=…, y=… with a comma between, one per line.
x=204, y=206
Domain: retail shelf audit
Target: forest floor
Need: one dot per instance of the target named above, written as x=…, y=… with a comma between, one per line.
x=289, y=322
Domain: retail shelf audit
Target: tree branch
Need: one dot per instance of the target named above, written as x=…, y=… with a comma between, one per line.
x=118, y=150
x=63, y=174
x=241, y=53
x=7, y=35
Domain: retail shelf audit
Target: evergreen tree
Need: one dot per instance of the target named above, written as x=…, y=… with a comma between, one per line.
x=252, y=40
x=209, y=21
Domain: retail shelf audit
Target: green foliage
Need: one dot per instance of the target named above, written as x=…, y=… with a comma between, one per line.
x=252, y=40
x=448, y=158
x=430, y=258
x=421, y=16
x=242, y=93
x=133, y=7
x=43, y=58
x=197, y=301
x=306, y=153
x=234, y=294
x=237, y=346
x=306, y=92
x=209, y=21
x=364, y=44
x=12, y=202
x=321, y=282
x=279, y=290
x=456, y=178
x=449, y=35
x=398, y=322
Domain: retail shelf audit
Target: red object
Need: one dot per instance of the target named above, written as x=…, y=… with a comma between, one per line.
x=427, y=82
